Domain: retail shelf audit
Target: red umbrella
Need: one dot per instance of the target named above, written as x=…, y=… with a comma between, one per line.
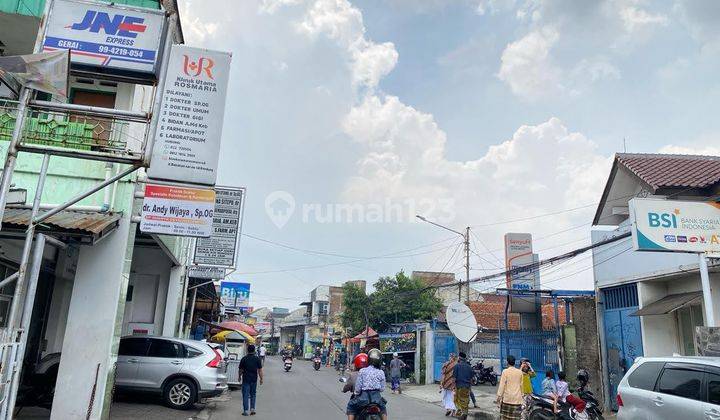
x=239, y=326
x=367, y=334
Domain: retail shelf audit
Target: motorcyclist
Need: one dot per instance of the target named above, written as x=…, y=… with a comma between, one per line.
x=369, y=386
x=360, y=361
x=287, y=353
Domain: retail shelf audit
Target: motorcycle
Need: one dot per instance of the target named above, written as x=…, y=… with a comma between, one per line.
x=543, y=408
x=287, y=363
x=484, y=374
x=372, y=411
x=317, y=362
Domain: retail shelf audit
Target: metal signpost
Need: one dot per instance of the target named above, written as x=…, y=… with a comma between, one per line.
x=679, y=226
x=220, y=249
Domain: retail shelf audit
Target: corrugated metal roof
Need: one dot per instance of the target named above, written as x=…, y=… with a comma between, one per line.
x=689, y=171
x=66, y=220
x=667, y=304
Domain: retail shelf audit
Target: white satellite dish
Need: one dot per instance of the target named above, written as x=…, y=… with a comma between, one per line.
x=461, y=321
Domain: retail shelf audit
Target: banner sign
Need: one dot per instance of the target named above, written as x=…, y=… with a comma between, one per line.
x=46, y=72
x=234, y=295
x=104, y=35
x=519, y=261
x=679, y=226
x=178, y=211
x=220, y=248
x=203, y=272
x=187, y=142
x=398, y=343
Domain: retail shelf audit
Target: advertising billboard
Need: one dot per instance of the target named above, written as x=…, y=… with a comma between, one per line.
x=178, y=211
x=679, y=226
x=221, y=247
x=187, y=141
x=398, y=342
x=234, y=295
x=519, y=262
x=106, y=36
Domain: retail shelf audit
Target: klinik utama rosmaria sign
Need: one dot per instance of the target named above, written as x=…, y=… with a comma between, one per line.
x=680, y=226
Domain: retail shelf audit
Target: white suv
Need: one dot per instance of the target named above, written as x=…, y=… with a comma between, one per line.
x=657, y=388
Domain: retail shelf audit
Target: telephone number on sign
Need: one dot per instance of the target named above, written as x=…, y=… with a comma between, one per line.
x=125, y=52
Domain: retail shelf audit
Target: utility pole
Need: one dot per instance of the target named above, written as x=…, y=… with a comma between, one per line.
x=467, y=263
x=466, y=243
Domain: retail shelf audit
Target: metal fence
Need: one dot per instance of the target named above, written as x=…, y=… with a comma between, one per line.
x=482, y=348
x=540, y=346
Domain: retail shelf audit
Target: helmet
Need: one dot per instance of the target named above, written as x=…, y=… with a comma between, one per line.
x=375, y=357
x=583, y=376
x=360, y=361
x=395, y=354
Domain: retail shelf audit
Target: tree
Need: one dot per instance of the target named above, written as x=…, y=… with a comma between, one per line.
x=396, y=299
x=355, y=302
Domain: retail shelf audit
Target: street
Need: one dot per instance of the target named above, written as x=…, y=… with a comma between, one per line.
x=304, y=394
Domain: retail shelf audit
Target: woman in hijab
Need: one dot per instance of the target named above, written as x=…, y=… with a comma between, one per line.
x=447, y=385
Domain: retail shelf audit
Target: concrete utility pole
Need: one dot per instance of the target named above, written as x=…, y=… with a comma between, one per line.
x=466, y=242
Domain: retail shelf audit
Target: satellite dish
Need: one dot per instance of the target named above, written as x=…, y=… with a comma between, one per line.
x=461, y=321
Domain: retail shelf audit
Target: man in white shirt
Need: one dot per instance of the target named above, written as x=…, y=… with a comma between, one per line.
x=262, y=352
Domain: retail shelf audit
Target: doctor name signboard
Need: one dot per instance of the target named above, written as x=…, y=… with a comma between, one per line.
x=187, y=142
x=180, y=211
x=681, y=226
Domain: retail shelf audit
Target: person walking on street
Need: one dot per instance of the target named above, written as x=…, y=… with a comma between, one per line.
x=395, y=365
x=261, y=352
x=250, y=370
x=343, y=361
x=509, y=394
x=527, y=389
x=463, y=374
x=447, y=385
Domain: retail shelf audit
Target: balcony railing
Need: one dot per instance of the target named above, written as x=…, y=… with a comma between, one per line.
x=74, y=132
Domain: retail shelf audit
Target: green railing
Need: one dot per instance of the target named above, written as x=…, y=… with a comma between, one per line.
x=72, y=130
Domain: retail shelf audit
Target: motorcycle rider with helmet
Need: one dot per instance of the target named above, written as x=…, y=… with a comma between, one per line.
x=369, y=385
x=360, y=361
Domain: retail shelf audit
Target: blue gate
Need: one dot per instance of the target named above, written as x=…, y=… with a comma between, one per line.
x=623, y=339
x=539, y=346
x=445, y=343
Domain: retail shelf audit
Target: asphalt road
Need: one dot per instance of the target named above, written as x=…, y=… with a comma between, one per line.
x=304, y=394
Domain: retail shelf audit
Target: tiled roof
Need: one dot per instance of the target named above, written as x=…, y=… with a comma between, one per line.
x=686, y=171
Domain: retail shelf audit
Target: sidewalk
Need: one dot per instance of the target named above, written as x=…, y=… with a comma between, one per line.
x=484, y=394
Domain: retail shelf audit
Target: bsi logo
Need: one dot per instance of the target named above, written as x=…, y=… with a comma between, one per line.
x=194, y=68
x=117, y=25
x=666, y=220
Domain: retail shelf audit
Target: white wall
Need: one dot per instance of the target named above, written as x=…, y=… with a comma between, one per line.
x=90, y=333
x=173, y=303
x=659, y=332
x=149, y=276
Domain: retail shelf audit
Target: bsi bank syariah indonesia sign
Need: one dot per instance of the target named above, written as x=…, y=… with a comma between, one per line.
x=103, y=35
x=187, y=142
x=669, y=225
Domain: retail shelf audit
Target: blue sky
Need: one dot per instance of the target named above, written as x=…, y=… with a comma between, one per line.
x=472, y=111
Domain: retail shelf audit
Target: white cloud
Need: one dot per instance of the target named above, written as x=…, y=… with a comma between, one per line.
x=372, y=61
x=493, y=6
x=526, y=65
x=636, y=18
x=272, y=6
x=195, y=28
x=690, y=150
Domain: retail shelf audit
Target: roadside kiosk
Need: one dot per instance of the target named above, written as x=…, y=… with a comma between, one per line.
x=235, y=343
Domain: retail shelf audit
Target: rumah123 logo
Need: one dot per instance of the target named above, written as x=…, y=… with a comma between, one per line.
x=194, y=68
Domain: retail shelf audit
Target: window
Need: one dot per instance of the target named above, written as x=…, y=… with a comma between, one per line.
x=683, y=382
x=689, y=317
x=645, y=376
x=133, y=347
x=713, y=388
x=165, y=348
x=322, y=308
x=191, y=352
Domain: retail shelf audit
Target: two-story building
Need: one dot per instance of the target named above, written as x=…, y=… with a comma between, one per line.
x=649, y=303
x=106, y=279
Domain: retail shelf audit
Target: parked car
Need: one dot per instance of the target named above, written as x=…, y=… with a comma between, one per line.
x=181, y=371
x=657, y=388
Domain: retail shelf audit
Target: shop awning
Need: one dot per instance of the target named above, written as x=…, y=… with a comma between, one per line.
x=667, y=304
x=88, y=225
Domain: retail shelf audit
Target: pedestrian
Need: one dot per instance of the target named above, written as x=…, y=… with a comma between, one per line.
x=250, y=370
x=472, y=398
x=261, y=352
x=395, y=365
x=548, y=384
x=343, y=361
x=527, y=389
x=509, y=394
x=463, y=374
x=324, y=355
x=447, y=385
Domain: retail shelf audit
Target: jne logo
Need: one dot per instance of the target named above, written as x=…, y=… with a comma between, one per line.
x=194, y=68
x=666, y=220
x=117, y=25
